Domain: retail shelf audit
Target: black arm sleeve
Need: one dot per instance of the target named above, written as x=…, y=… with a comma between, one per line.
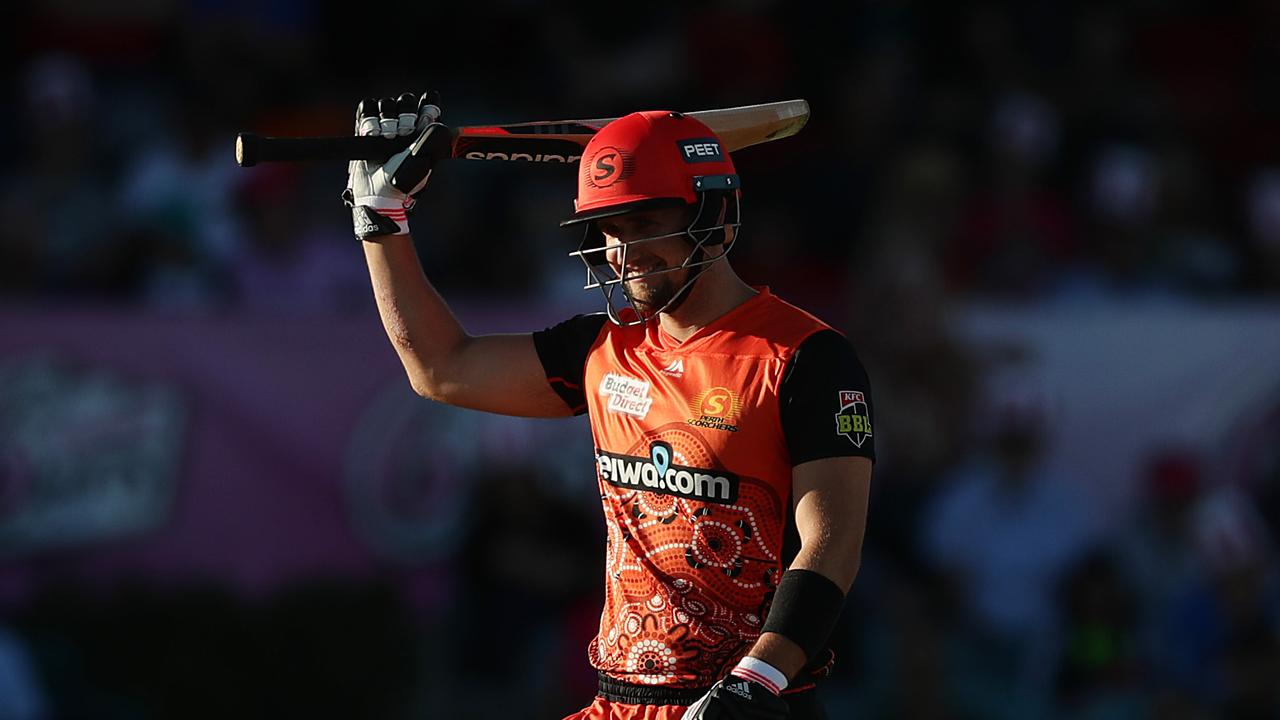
x=826, y=401
x=563, y=351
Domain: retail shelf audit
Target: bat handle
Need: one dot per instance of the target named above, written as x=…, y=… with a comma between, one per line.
x=252, y=149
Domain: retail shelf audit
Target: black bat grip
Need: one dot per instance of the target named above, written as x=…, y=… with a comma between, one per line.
x=253, y=149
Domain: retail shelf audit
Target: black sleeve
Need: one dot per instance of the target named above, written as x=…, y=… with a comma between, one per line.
x=563, y=351
x=826, y=401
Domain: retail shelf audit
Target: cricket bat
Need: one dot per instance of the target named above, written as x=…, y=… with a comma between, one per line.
x=559, y=141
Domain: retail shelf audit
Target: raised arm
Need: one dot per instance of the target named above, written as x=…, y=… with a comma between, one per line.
x=495, y=373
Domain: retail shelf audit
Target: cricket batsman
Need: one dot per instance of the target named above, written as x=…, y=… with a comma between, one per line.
x=725, y=420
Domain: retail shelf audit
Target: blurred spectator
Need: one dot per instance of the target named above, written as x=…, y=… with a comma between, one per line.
x=907, y=656
x=55, y=206
x=1194, y=255
x=1262, y=473
x=21, y=697
x=527, y=554
x=1099, y=671
x=1223, y=634
x=1122, y=197
x=901, y=322
x=179, y=198
x=295, y=261
x=1004, y=530
x=1264, y=225
x=1015, y=237
x=1158, y=550
x=1151, y=224
x=924, y=384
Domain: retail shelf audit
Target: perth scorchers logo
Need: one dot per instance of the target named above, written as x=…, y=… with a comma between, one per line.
x=607, y=166
x=718, y=408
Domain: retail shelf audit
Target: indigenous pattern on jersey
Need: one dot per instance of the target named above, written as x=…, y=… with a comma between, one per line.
x=694, y=472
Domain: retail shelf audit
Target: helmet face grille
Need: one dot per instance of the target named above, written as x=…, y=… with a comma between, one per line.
x=699, y=233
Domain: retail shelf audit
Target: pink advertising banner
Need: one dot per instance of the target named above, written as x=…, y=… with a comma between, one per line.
x=249, y=452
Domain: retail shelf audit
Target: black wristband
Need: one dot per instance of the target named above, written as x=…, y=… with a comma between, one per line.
x=805, y=609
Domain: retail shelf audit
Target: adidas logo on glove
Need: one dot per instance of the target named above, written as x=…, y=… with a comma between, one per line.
x=739, y=689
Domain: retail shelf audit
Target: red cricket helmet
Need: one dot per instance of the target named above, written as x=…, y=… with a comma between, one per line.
x=649, y=159
x=644, y=161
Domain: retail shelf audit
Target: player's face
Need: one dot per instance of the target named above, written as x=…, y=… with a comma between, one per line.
x=650, y=293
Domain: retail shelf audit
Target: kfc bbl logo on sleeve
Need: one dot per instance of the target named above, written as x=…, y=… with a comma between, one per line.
x=854, y=419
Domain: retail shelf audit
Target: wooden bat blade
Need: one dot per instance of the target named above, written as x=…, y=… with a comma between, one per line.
x=556, y=141
x=753, y=124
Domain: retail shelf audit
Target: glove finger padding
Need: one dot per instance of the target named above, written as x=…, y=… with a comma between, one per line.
x=389, y=117
x=367, y=121
x=428, y=108
x=366, y=124
x=406, y=114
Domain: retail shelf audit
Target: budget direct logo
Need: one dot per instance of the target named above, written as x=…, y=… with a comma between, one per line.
x=854, y=419
x=658, y=473
x=718, y=408
x=626, y=396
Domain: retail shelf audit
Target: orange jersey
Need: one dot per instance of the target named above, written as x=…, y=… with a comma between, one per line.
x=694, y=475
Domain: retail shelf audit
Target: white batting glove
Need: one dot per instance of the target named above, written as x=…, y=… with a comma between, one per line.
x=381, y=195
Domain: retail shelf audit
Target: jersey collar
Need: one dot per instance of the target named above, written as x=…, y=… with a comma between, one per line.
x=658, y=338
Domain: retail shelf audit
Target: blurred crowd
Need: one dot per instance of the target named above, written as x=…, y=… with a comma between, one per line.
x=1045, y=152
x=1038, y=151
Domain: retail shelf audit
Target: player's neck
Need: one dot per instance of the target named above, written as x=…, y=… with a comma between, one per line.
x=716, y=292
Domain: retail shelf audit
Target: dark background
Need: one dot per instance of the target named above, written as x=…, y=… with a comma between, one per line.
x=200, y=340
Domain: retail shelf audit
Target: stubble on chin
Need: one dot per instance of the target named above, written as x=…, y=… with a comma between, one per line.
x=652, y=296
